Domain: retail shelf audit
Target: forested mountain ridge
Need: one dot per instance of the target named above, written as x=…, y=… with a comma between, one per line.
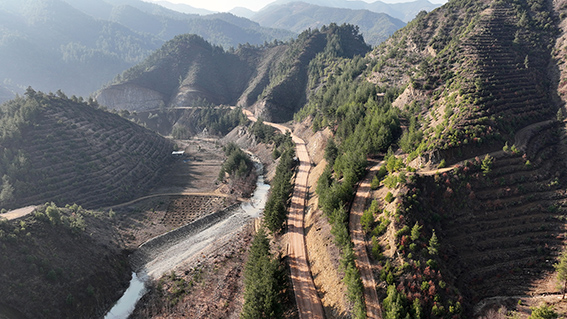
x=457, y=64
x=66, y=150
x=299, y=16
x=78, y=46
x=471, y=83
x=272, y=78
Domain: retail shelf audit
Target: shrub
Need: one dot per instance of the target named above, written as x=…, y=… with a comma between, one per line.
x=53, y=214
x=367, y=220
x=389, y=197
x=543, y=312
x=486, y=164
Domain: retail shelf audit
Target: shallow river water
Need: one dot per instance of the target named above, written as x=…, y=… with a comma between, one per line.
x=186, y=244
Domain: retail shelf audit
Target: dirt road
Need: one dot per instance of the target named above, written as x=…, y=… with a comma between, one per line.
x=308, y=302
x=359, y=241
x=17, y=213
x=218, y=194
x=521, y=140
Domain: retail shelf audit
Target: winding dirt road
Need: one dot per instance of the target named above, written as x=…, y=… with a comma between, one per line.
x=521, y=139
x=308, y=302
x=357, y=234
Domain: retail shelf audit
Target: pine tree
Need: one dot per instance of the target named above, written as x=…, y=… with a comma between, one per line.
x=262, y=281
x=433, y=244
x=561, y=268
x=416, y=231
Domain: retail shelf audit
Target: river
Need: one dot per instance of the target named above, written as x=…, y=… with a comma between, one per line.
x=186, y=244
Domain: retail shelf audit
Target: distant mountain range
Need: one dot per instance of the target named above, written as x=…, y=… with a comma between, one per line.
x=404, y=11
x=180, y=7
x=299, y=16
x=79, y=45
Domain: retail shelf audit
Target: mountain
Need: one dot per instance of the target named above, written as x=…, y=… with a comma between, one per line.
x=468, y=195
x=61, y=263
x=243, y=12
x=273, y=78
x=184, y=8
x=404, y=11
x=67, y=150
x=80, y=45
x=299, y=16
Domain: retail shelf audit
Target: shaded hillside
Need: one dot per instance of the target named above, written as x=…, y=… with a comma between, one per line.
x=299, y=16
x=78, y=46
x=65, y=150
x=60, y=263
x=273, y=78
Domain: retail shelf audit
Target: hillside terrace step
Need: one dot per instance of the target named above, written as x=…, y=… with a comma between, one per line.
x=501, y=225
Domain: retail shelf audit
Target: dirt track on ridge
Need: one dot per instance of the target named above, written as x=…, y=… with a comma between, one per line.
x=359, y=241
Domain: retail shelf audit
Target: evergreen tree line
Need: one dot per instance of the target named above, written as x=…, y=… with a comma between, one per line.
x=275, y=212
x=220, y=121
x=237, y=164
x=264, y=276
x=264, y=282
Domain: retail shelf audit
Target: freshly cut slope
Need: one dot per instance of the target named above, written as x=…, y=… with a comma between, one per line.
x=65, y=150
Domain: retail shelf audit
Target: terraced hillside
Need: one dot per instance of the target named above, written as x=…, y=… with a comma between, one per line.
x=464, y=80
x=65, y=150
x=481, y=81
x=475, y=72
x=501, y=225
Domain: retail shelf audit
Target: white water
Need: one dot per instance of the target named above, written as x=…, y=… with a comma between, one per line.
x=191, y=248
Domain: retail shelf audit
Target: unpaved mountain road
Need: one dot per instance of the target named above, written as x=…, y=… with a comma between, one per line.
x=308, y=302
x=17, y=213
x=357, y=234
x=521, y=139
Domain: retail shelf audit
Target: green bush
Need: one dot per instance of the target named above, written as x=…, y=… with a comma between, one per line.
x=543, y=312
x=389, y=197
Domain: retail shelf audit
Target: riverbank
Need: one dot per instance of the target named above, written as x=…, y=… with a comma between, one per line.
x=203, y=259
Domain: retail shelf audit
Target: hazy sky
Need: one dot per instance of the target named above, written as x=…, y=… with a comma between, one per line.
x=255, y=5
